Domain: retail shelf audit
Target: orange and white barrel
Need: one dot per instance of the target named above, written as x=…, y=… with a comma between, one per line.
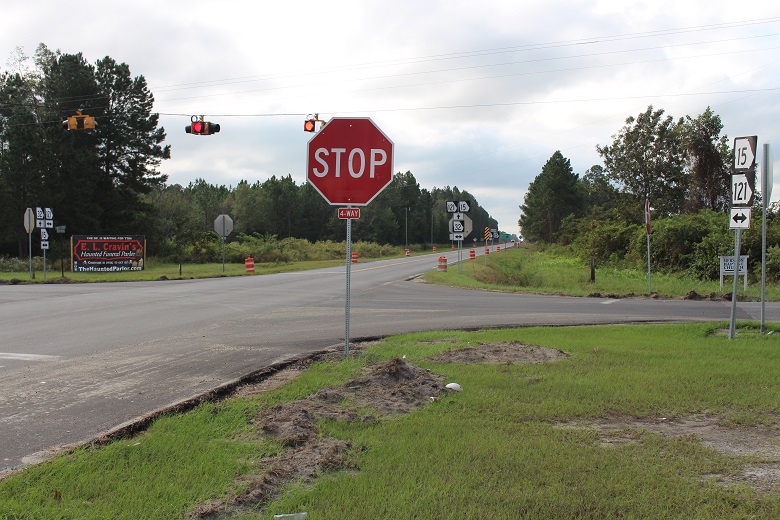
x=441, y=266
x=354, y=257
x=472, y=254
x=249, y=263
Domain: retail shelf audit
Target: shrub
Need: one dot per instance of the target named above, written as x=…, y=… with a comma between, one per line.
x=607, y=241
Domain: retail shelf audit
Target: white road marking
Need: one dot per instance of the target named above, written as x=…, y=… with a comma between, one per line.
x=609, y=302
x=27, y=357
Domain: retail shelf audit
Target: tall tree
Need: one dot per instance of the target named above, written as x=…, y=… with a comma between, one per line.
x=646, y=159
x=707, y=159
x=552, y=196
x=129, y=145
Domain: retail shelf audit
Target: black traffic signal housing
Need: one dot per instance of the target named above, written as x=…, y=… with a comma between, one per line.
x=79, y=122
x=200, y=127
x=310, y=123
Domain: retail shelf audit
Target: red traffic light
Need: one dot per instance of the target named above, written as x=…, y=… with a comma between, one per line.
x=200, y=127
x=308, y=125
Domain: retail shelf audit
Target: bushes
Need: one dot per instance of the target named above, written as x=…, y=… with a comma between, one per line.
x=269, y=249
x=773, y=264
x=689, y=244
x=15, y=265
x=607, y=241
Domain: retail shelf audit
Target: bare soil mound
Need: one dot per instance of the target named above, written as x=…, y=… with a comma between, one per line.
x=513, y=352
x=390, y=388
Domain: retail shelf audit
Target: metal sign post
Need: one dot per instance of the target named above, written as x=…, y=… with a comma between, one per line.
x=766, y=194
x=29, y=226
x=647, y=228
x=733, y=321
x=61, y=231
x=349, y=276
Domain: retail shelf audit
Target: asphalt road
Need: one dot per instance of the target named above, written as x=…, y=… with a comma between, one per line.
x=79, y=360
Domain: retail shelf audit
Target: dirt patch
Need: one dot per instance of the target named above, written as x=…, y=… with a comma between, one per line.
x=506, y=353
x=387, y=389
x=760, y=444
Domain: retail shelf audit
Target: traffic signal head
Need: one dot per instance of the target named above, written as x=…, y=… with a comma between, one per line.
x=202, y=128
x=79, y=122
x=309, y=125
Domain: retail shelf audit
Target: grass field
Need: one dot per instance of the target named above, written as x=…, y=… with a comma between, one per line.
x=528, y=270
x=519, y=441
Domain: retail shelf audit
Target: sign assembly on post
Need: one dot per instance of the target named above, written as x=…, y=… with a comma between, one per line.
x=223, y=226
x=44, y=219
x=349, y=162
x=743, y=187
x=460, y=224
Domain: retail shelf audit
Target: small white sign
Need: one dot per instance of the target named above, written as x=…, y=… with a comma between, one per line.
x=458, y=237
x=452, y=206
x=44, y=234
x=44, y=244
x=463, y=206
x=740, y=218
x=457, y=226
x=48, y=213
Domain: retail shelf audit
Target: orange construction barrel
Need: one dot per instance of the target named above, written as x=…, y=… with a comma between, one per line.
x=441, y=266
x=354, y=257
x=487, y=250
x=434, y=249
x=407, y=252
x=249, y=263
x=472, y=254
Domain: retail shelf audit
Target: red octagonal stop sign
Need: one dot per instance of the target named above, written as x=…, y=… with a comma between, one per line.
x=350, y=161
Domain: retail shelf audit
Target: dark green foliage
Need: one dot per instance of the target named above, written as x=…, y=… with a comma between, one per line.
x=94, y=179
x=553, y=195
x=646, y=160
x=707, y=159
x=607, y=240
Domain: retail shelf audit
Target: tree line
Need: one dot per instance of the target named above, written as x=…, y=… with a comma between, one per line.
x=402, y=214
x=107, y=180
x=682, y=167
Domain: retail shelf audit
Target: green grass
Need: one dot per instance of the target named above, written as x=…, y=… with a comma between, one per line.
x=490, y=451
x=528, y=270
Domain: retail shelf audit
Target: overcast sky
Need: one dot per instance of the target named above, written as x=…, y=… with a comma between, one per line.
x=474, y=94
